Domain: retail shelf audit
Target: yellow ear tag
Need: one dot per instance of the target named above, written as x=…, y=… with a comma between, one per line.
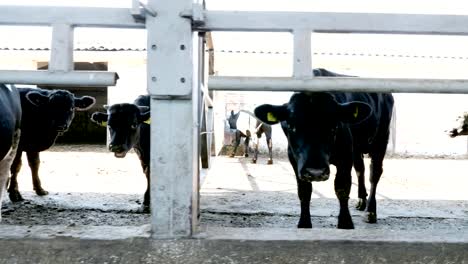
x=103, y=124
x=356, y=113
x=147, y=121
x=271, y=117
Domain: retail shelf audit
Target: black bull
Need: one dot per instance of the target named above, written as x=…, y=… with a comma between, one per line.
x=334, y=128
x=129, y=128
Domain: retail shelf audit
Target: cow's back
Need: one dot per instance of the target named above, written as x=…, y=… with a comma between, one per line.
x=374, y=131
x=10, y=117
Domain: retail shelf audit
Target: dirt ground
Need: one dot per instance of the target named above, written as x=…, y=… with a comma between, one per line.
x=88, y=186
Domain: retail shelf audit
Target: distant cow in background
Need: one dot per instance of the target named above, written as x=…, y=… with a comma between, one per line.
x=260, y=128
x=462, y=130
x=10, y=130
x=334, y=128
x=46, y=115
x=129, y=128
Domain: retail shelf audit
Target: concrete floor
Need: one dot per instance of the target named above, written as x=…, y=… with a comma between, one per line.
x=248, y=215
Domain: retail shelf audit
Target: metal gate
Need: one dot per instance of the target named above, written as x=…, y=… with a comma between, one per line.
x=178, y=86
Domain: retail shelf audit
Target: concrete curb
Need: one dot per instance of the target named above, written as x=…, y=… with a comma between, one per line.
x=104, y=244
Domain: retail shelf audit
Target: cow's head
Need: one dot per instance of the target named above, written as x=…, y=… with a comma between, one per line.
x=124, y=122
x=462, y=130
x=310, y=122
x=59, y=106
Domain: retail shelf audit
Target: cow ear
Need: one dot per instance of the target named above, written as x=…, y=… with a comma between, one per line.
x=99, y=118
x=354, y=112
x=145, y=117
x=36, y=98
x=271, y=114
x=84, y=103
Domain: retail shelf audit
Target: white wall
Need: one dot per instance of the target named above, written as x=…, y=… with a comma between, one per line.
x=422, y=119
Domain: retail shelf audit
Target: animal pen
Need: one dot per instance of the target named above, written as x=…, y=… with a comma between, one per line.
x=180, y=88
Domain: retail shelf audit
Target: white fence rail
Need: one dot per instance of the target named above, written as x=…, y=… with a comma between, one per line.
x=346, y=84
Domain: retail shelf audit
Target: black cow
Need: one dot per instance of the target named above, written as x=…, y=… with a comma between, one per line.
x=129, y=128
x=46, y=115
x=10, y=127
x=462, y=130
x=334, y=128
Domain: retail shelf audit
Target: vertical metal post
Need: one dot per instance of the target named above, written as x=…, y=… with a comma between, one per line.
x=61, y=55
x=302, y=65
x=173, y=85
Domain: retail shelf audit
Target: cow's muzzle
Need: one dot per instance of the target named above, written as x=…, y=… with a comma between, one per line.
x=119, y=151
x=311, y=175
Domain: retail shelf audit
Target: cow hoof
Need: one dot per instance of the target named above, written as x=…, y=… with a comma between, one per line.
x=307, y=225
x=246, y=155
x=304, y=224
x=345, y=221
x=144, y=209
x=15, y=197
x=345, y=225
x=254, y=161
x=269, y=162
x=371, y=218
x=361, y=205
x=232, y=155
x=41, y=192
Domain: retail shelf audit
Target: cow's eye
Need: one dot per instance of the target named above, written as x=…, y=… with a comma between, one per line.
x=134, y=126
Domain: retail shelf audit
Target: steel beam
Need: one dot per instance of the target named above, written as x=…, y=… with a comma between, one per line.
x=76, y=16
x=72, y=78
x=302, y=60
x=173, y=85
x=345, y=84
x=61, y=55
x=334, y=22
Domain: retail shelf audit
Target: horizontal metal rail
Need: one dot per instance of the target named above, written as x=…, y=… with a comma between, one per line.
x=76, y=16
x=72, y=78
x=344, y=84
x=334, y=22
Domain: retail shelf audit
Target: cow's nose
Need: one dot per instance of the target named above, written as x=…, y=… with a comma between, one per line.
x=313, y=174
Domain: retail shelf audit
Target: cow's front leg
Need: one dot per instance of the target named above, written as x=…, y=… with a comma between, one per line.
x=34, y=162
x=15, y=168
x=246, y=143
x=360, y=173
x=147, y=198
x=342, y=190
x=376, y=169
x=270, y=150
x=304, y=191
x=255, y=157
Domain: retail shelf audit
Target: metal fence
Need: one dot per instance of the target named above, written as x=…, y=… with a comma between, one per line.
x=178, y=85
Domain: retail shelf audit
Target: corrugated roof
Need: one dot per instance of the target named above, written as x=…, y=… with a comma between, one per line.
x=364, y=45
